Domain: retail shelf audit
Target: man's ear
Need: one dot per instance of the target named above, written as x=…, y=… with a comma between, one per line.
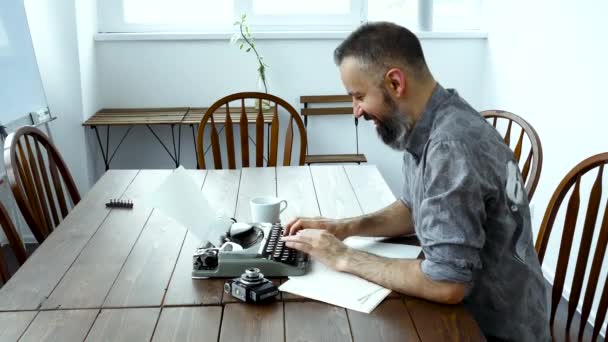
x=396, y=82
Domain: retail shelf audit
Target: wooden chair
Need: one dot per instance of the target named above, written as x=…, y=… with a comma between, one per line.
x=14, y=241
x=40, y=180
x=534, y=159
x=332, y=105
x=572, y=183
x=239, y=115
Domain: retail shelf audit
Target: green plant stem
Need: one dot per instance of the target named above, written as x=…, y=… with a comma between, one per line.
x=262, y=67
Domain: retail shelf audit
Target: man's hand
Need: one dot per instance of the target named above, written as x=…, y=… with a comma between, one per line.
x=338, y=228
x=319, y=244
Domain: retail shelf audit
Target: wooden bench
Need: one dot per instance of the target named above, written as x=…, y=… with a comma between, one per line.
x=148, y=117
x=332, y=105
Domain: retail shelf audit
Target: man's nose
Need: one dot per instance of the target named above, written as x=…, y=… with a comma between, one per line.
x=357, y=110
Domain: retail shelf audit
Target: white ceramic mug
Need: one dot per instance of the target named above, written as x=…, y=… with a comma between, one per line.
x=266, y=209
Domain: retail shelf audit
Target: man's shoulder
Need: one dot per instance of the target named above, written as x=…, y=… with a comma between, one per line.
x=458, y=122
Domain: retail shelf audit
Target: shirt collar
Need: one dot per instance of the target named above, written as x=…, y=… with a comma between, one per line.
x=422, y=129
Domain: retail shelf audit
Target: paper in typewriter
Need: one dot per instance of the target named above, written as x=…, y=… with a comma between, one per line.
x=180, y=198
x=346, y=290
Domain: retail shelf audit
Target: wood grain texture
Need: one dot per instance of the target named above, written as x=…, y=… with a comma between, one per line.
x=335, y=158
x=124, y=325
x=370, y=187
x=60, y=325
x=390, y=321
x=254, y=182
x=146, y=273
x=295, y=185
x=334, y=192
x=220, y=189
x=534, y=159
x=259, y=323
x=136, y=116
x=326, y=99
x=29, y=287
x=314, y=321
x=328, y=111
x=183, y=290
x=105, y=253
x=195, y=115
x=188, y=324
x=13, y=324
x=435, y=322
x=260, y=120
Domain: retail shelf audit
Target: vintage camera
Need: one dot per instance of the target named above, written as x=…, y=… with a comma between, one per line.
x=251, y=287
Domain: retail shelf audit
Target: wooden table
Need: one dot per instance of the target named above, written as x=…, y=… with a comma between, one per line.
x=124, y=275
x=148, y=117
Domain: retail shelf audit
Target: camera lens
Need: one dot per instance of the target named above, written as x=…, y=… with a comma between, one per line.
x=253, y=272
x=252, y=276
x=227, y=287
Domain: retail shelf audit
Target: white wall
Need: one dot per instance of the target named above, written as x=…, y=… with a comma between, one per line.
x=53, y=29
x=547, y=62
x=86, y=22
x=196, y=73
x=54, y=36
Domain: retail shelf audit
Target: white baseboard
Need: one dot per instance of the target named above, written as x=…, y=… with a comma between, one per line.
x=550, y=276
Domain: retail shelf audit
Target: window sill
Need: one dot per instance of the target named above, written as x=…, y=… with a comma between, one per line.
x=156, y=36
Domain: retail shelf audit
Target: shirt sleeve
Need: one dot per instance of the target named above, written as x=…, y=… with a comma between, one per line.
x=452, y=213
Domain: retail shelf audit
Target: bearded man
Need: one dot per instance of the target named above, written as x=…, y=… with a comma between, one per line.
x=462, y=196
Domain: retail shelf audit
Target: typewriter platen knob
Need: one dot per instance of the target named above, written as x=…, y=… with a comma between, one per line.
x=209, y=258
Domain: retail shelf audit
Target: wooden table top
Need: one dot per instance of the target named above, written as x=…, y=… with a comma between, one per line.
x=124, y=275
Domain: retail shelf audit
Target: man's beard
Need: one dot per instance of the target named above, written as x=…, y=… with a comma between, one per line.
x=395, y=127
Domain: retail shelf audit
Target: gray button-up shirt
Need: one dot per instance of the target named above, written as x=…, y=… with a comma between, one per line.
x=471, y=214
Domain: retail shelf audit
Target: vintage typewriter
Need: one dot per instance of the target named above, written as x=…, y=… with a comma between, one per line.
x=243, y=246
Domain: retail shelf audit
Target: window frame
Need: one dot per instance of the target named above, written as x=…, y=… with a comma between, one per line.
x=111, y=14
x=291, y=23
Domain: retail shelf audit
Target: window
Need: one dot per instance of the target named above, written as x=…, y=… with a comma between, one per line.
x=293, y=15
x=284, y=15
x=427, y=15
x=165, y=15
x=456, y=14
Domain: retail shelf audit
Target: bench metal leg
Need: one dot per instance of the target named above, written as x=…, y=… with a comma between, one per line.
x=174, y=158
x=103, y=153
x=107, y=158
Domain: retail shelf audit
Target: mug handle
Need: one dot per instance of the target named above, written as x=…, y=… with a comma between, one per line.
x=285, y=207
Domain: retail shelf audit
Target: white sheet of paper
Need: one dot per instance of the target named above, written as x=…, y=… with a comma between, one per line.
x=180, y=198
x=346, y=290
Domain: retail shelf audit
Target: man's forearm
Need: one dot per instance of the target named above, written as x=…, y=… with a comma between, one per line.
x=401, y=275
x=394, y=220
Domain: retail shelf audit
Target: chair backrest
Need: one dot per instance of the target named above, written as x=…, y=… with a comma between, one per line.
x=40, y=180
x=4, y=275
x=232, y=110
x=573, y=179
x=14, y=241
x=331, y=105
x=530, y=171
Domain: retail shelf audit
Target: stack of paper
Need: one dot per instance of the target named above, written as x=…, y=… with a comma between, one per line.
x=346, y=290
